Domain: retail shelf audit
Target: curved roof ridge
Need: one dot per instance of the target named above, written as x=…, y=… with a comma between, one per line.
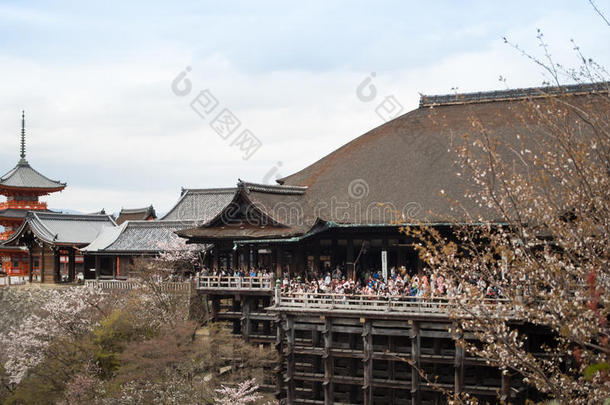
x=511, y=94
x=272, y=188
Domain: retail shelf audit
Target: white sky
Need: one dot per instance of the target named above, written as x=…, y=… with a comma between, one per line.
x=95, y=81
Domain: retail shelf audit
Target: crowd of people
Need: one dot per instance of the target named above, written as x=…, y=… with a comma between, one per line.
x=399, y=283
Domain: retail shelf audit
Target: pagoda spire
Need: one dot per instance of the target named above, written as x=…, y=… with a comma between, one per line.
x=22, y=160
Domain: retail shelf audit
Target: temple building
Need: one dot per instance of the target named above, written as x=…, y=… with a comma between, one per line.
x=22, y=186
x=134, y=214
x=54, y=240
x=115, y=250
x=347, y=209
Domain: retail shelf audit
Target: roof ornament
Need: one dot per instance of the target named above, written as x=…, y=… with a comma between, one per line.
x=22, y=160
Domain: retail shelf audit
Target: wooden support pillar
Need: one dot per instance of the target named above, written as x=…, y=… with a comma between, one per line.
x=97, y=267
x=279, y=348
x=333, y=254
x=31, y=259
x=327, y=333
x=266, y=324
x=317, y=251
x=215, y=254
x=367, y=342
x=437, y=351
x=215, y=308
x=279, y=261
x=505, y=389
x=42, y=263
x=416, y=365
x=315, y=342
x=290, y=361
x=246, y=323
x=300, y=261
x=458, y=378
x=353, y=368
x=349, y=260
x=71, y=266
x=391, y=368
x=56, y=275
x=236, y=307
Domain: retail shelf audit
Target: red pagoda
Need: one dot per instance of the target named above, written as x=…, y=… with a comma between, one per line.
x=22, y=187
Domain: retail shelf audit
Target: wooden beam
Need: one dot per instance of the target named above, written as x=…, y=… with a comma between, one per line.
x=97, y=267
x=71, y=265
x=279, y=348
x=349, y=260
x=290, y=363
x=458, y=378
x=327, y=334
x=246, y=322
x=416, y=366
x=56, y=275
x=367, y=343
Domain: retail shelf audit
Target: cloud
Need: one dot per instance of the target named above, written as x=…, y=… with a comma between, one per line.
x=112, y=128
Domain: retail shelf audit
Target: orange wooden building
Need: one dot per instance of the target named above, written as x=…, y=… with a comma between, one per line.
x=22, y=186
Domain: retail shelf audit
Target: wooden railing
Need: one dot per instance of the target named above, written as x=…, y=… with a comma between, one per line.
x=135, y=284
x=366, y=303
x=234, y=283
x=23, y=205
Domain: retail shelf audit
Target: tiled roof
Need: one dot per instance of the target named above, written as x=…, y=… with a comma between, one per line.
x=258, y=211
x=24, y=176
x=511, y=94
x=137, y=237
x=131, y=214
x=66, y=229
x=200, y=205
x=396, y=172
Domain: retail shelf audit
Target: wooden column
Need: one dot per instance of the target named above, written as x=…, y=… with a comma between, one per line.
x=279, y=259
x=349, y=260
x=56, y=274
x=354, y=363
x=333, y=254
x=71, y=266
x=215, y=308
x=31, y=259
x=436, y=369
x=317, y=251
x=367, y=342
x=416, y=366
x=97, y=267
x=279, y=347
x=327, y=334
x=505, y=389
x=458, y=376
x=300, y=261
x=235, y=307
x=113, y=260
x=42, y=263
x=290, y=363
x=317, y=360
x=246, y=323
x=391, y=368
x=215, y=258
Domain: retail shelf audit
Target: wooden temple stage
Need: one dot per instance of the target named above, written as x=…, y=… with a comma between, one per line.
x=357, y=350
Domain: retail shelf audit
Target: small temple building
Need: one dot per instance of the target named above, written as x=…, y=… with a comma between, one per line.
x=22, y=186
x=135, y=214
x=114, y=251
x=54, y=240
